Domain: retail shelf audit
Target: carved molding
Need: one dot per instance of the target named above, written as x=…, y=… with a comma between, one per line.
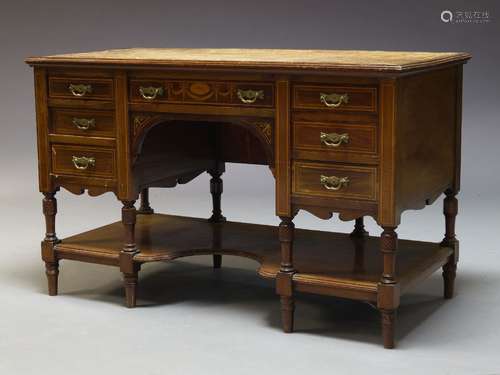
x=174, y=181
x=93, y=191
x=326, y=213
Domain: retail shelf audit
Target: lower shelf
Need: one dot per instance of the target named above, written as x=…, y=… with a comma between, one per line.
x=326, y=263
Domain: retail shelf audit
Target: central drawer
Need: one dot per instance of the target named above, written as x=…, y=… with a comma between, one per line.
x=334, y=181
x=250, y=94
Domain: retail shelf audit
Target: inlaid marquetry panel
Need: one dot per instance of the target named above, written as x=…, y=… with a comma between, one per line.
x=208, y=92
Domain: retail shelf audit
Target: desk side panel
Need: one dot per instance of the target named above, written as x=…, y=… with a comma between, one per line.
x=283, y=148
x=427, y=137
x=126, y=188
x=42, y=125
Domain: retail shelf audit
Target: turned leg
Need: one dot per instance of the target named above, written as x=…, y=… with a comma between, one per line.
x=216, y=188
x=50, y=240
x=388, y=287
x=450, y=210
x=284, y=278
x=359, y=228
x=358, y=236
x=145, y=208
x=128, y=266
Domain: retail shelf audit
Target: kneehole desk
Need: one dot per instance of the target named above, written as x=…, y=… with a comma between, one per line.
x=358, y=133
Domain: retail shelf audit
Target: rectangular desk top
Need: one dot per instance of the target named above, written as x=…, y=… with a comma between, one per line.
x=331, y=60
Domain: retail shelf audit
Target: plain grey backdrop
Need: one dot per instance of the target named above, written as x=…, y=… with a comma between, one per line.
x=195, y=321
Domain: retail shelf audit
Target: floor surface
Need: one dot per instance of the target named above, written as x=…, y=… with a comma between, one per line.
x=194, y=320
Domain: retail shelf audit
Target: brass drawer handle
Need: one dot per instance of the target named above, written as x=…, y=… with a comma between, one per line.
x=80, y=90
x=333, y=182
x=333, y=139
x=150, y=92
x=250, y=96
x=83, y=162
x=333, y=100
x=83, y=123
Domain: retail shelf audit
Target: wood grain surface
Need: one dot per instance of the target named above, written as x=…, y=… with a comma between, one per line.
x=320, y=258
x=260, y=58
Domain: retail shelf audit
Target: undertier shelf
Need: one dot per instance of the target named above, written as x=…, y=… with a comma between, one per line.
x=326, y=263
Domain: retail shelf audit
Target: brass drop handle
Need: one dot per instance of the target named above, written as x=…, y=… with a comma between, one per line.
x=333, y=182
x=150, y=92
x=250, y=96
x=333, y=139
x=80, y=90
x=82, y=162
x=83, y=123
x=333, y=100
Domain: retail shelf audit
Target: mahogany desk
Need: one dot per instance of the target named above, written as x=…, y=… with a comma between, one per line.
x=356, y=133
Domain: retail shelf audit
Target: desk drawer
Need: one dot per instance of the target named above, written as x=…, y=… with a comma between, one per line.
x=203, y=92
x=81, y=88
x=335, y=98
x=334, y=141
x=90, y=123
x=335, y=181
x=83, y=161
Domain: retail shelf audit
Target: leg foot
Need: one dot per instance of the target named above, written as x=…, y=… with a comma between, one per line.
x=287, y=313
x=217, y=261
x=388, y=323
x=449, y=274
x=52, y=272
x=130, y=283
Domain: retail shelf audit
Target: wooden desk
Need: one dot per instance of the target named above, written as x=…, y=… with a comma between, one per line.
x=350, y=132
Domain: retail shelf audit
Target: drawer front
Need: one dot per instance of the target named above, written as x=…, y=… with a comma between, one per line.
x=335, y=181
x=83, y=161
x=335, y=98
x=83, y=122
x=81, y=88
x=203, y=92
x=334, y=140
